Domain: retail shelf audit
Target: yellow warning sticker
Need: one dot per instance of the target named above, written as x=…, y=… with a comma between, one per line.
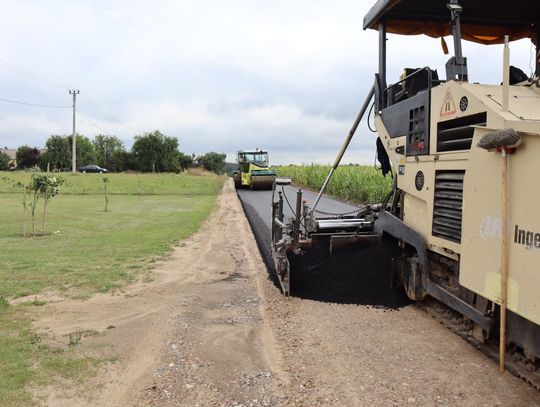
x=448, y=107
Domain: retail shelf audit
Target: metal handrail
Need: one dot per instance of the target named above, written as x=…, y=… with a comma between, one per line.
x=430, y=81
x=426, y=68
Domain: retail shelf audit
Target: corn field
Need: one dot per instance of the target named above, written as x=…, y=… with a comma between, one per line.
x=359, y=183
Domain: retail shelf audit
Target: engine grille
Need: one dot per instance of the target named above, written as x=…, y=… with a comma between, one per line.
x=457, y=134
x=448, y=204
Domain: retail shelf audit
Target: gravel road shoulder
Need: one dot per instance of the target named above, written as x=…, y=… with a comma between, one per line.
x=213, y=330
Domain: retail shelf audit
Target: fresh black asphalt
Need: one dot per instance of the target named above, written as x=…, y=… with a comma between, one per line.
x=258, y=209
x=359, y=276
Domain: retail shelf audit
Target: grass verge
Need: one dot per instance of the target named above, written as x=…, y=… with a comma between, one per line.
x=84, y=250
x=200, y=183
x=26, y=361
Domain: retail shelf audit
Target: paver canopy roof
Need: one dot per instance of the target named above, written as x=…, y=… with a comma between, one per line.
x=483, y=21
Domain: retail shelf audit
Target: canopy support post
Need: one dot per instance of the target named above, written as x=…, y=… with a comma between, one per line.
x=382, y=52
x=456, y=67
x=537, y=28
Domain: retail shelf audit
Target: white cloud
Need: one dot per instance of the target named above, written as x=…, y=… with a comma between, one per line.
x=286, y=76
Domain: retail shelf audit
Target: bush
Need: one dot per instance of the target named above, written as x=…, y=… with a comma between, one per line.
x=27, y=157
x=4, y=162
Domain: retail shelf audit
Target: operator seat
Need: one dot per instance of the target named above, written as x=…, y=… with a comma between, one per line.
x=411, y=86
x=517, y=76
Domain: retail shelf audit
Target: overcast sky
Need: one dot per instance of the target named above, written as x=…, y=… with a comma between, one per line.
x=287, y=76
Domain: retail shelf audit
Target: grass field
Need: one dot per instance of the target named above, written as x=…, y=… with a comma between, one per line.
x=125, y=184
x=358, y=183
x=85, y=250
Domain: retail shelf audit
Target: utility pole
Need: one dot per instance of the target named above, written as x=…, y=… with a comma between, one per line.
x=74, y=92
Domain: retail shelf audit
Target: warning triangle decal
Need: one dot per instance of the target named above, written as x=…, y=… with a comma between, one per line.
x=448, y=107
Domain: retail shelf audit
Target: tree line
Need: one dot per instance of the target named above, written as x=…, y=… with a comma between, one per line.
x=151, y=152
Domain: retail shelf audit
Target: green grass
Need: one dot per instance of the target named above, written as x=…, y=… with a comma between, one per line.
x=84, y=251
x=18, y=345
x=26, y=361
x=89, y=249
x=358, y=183
x=123, y=184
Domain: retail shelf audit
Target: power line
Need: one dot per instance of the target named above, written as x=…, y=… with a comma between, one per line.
x=31, y=75
x=33, y=104
x=17, y=70
x=85, y=117
x=90, y=121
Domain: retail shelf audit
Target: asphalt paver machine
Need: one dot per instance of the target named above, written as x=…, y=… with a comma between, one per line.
x=465, y=156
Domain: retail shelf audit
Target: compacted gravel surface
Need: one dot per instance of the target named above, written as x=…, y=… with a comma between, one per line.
x=211, y=328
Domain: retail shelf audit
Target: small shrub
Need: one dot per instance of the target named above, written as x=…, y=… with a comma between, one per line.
x=46, y=187
x=106, y=192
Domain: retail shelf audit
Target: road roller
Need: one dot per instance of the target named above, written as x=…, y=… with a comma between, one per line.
x=253, y=170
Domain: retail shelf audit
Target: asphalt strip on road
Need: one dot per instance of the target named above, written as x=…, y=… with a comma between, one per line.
x=360, y=276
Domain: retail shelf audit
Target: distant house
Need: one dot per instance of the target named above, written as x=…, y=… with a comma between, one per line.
x=12, y=154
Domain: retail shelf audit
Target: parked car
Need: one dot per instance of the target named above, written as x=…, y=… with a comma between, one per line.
x=93, y=168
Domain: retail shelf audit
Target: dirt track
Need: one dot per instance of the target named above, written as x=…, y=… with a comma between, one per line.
x=213, y=330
